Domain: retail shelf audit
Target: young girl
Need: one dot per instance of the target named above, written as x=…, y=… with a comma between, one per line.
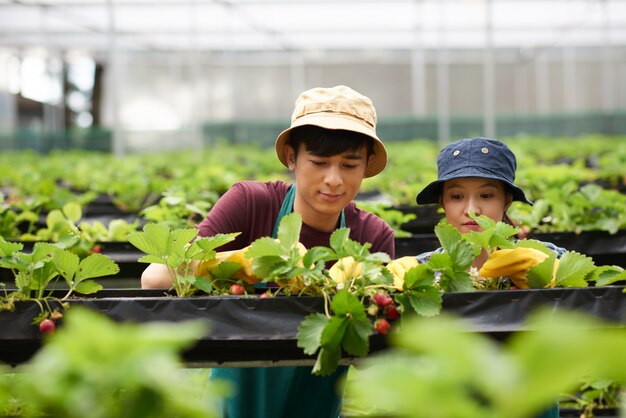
x=476, y=175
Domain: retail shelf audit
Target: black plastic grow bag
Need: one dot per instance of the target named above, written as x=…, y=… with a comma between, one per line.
x=251, y=329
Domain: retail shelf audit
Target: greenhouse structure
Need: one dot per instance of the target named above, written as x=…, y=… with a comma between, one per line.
x=455, y=245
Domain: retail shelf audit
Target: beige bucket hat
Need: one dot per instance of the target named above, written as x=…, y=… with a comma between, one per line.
x=337, y=107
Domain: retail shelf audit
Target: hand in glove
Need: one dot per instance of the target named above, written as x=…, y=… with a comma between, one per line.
x=398, y=269
x=513, y=263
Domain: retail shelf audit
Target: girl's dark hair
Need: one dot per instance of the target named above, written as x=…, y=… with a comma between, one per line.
x=328, y=142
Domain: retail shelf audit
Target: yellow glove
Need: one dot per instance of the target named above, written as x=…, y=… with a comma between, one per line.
x=235, y=256
x=513, y=263
x=345, y=269
x=398, y=269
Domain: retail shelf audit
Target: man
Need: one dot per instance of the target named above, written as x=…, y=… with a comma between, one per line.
x=330, y=147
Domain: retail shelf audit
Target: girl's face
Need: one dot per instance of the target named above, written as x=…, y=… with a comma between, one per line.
x=473, y=194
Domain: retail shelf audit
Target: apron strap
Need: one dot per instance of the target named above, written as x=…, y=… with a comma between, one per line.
x=287, y=207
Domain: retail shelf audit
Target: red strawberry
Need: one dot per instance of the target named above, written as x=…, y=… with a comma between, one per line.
x=237, y=289
x=96, y=249
x=382, y=299
x=392, y=312
x=47, y=326
x=382, y=326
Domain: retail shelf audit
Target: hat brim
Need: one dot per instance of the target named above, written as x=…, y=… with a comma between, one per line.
x=335, y=121
x=432, y=192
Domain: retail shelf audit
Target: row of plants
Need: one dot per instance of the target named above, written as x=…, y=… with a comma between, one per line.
x=364, y=293
x=576, y=184
x=98, y=368
x=369, y=290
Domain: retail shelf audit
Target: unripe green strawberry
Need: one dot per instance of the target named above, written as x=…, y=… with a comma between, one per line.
x=372, y=310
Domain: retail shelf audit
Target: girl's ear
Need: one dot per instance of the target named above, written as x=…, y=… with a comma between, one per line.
x=507, y=201
x=291, y=156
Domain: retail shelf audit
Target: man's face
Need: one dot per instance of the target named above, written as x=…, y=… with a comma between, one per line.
x=481, y=196
x=325, y=185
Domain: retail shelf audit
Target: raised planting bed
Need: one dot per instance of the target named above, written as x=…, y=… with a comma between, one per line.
x=252, y=331
x=604, y=248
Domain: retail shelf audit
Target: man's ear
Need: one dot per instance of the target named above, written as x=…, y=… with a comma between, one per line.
x=291, y=156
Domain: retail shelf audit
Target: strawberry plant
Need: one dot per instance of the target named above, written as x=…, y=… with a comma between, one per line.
x=116, y=230
x=530, y=264
x=394, y=218
x=175, y=211
x=36, y=272
x=176, y=250
x=438, y=368
x=95, y=367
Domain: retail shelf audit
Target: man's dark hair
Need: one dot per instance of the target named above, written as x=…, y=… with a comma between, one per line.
x=328, y=142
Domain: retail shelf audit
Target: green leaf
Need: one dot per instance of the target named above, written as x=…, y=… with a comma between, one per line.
x=485, y=222
x=426, y=301
x=152, y=259
x=66, y=263
x=43, y=250
x=210, y=243
x=96, y=265
x=457, y=281
x=225, y=270
x=573, y=268
x=152, y=240
x=339, y=238
x=462, y=255
x=327, y=361
x=179, y=238
x=418, y=277
x=540, y=276
x=310, y=332
x=289, y=230
x=356, y=338
x=263, y=247
x=440, y=261
x=88, y=287
x=505, y=231
x=73, y=211
x=204, y=284
x=345, y=303
x=265, y=265
x=607, y=275
x=316, y=254
x=42, y=276
x=533, y=243
x=8, y=248
x=447, y=234
x=333, y=332
x=481, y=239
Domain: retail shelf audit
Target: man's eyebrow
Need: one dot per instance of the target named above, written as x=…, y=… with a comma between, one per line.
x=352, y=156
x=346, y=155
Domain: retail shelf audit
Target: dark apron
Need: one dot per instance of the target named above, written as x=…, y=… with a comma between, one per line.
x=281, y=392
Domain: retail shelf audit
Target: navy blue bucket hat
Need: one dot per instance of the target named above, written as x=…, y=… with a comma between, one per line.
x=477, y=157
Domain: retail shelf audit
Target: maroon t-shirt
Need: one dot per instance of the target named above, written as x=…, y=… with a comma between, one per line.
x=251, y=207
